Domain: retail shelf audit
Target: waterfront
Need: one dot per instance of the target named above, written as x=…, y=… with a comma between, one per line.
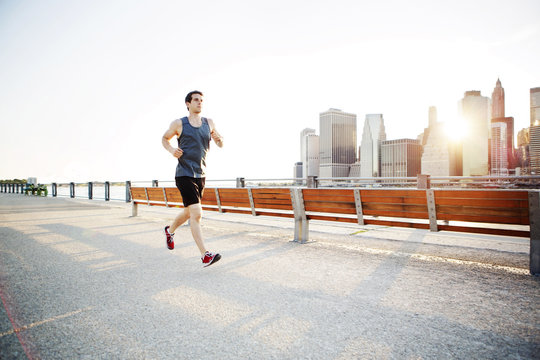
x=86, y=280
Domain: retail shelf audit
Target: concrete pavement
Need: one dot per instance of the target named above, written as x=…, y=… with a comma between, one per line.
x=82, y=279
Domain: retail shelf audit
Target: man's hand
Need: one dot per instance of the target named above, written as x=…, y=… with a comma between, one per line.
x=177, y=153
x=216, y=137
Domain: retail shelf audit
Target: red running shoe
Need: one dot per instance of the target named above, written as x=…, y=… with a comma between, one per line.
x=170, y=238
x=210, y=258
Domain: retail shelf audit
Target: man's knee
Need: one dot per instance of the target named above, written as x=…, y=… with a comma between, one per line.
x=195, y=212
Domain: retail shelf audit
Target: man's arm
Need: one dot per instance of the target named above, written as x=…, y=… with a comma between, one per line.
x=174, y=129
x=215, y=135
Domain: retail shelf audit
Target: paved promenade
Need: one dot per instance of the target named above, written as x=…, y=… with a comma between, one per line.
x=85, y=280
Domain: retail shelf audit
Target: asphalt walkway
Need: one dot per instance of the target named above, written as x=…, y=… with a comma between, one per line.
x=85, y=280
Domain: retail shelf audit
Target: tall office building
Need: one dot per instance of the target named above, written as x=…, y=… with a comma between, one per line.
x=401, y=158
x=432, y=120
x=297, y=172
x=535, y=106
x=502, y=146
x=440, y=156
x=304, y=133
x=370, y=150
x=534, y=132
x=497, y=101
x=337, y=143
x=355, y=170
x=309, y=153
x=499, y=150
x=475, y=109
x=502, y=135
x=534, y=149
x=522, y=154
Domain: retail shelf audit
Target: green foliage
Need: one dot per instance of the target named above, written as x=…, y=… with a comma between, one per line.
x=39, y=190
x=13, y=181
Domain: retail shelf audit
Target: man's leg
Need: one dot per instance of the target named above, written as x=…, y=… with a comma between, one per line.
x=195, y=216
x=169, y=230
x=179, y=220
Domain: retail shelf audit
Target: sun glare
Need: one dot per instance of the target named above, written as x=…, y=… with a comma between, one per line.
x=455, y=129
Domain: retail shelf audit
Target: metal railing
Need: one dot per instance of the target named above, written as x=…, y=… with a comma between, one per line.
x=120, y=190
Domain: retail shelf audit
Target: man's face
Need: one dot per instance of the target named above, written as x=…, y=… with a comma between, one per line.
x=195, y=106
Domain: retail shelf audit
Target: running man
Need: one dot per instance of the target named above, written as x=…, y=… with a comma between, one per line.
x=193, y=133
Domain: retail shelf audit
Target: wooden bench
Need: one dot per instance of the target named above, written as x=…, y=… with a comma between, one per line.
x=495, y=212
x=260, y=201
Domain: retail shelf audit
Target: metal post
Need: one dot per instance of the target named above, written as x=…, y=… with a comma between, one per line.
x=534, y=223
x=90, y=190
x=432, y=210
x=128, y=192
x=71, y=190
x=155, y=183
x=301, y=223
x=358, y=204
x=240, y=182
x=54, y=189
x=312, y=182
x=107, y=191
x=165, y=197
x=218, y=200
x=423, y=182
x=252, y=203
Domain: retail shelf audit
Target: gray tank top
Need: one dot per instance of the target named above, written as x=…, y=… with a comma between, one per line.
x=194, y=142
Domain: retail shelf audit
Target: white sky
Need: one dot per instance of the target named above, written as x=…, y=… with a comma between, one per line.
x=87, y=88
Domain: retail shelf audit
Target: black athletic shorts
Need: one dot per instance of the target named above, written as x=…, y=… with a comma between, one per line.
x=191, y=189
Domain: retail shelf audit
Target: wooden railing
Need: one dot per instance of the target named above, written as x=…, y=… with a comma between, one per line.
x=496, y=212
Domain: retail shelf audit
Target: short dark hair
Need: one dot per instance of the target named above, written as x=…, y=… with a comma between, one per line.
x=191, y=93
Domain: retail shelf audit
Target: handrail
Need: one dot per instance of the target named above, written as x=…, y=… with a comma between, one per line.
x=501, y=182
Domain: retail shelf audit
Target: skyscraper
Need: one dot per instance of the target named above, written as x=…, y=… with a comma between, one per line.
x=370, y=150
x=523, y=156
x=535, y=106
x=534, y=132
x=534, y=149
x=400, y=158
x=337, y=143
x=297, y=171
x=499, y=151
x=502, y=135
x=309, y=153
x=502, y=146
x=440, y=156
x=432, y=121
x=309, y=144
x=497, y=101
x=475, y=109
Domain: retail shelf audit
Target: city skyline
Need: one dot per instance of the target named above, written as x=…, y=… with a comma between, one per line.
x=88, y=89
x=485, y=147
